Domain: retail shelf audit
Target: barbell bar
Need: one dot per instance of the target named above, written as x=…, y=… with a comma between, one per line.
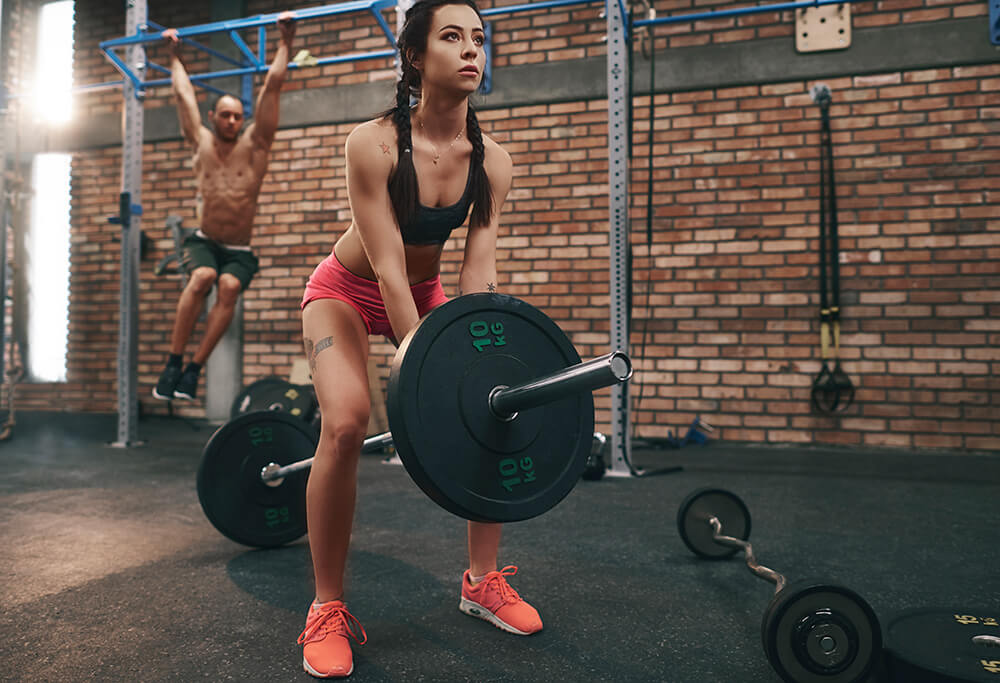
x=506, y=402
x=812, y=631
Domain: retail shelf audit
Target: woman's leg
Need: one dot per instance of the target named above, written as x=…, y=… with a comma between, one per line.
x=336, y=343
x=484, y=539
x=490, y=597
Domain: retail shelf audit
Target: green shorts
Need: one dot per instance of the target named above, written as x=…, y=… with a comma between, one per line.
x=202, y=252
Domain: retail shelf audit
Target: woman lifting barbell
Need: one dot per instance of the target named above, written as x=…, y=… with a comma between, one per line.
x=381, y=277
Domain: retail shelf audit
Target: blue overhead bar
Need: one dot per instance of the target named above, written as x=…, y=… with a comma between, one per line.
x=738, y=11
x=227, y=25
x=200, y=46
x=528, y=7
x=197, y=80
x=255, y=63
x=252, y=63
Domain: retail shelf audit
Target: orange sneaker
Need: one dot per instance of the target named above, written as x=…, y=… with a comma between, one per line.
x=493, y=600
x=327, y=651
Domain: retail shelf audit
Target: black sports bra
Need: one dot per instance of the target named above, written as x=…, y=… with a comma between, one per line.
x=433, y=224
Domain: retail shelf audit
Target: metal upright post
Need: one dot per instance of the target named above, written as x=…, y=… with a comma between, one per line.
x=4, y=230
x=130, y=214
x=621, y=441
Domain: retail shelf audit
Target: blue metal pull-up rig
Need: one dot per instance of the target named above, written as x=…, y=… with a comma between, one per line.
x=249, y=63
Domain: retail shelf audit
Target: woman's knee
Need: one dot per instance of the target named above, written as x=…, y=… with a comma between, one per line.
x=343, y=434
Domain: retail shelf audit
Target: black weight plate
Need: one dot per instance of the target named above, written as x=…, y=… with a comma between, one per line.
x=695, y=531
x=468, y=461
x=295, y=399
x=814, y=632
x=247, y=401
x=936, y=645
x=230, y=490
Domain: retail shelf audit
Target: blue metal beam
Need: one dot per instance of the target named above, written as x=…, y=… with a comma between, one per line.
x=738, y=11
x=245, y=49
x=994, y=21
x=252, y=22
x=198, y=80
x=200, y=46
x=253, y=63
x=544, y=4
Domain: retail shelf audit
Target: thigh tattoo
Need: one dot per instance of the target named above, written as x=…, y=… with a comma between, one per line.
x=313, y=350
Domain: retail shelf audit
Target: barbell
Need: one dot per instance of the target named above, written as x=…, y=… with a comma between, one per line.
x=812, y=631
x=490, y=410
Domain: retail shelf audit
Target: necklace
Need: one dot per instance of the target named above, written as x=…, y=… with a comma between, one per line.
x=437, y=154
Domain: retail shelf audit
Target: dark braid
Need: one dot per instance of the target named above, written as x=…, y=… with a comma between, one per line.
x=482, y=193
x=403, y=187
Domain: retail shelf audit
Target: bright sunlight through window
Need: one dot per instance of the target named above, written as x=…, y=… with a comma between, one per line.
x=54, y=73
x=47, y=241
x=48, y=268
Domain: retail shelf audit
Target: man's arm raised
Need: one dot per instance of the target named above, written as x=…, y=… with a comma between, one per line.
x=265, y=123
x=184, y=97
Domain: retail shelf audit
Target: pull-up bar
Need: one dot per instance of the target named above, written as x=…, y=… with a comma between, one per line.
x=738, y=11
x=544, y=4
x=251, y=63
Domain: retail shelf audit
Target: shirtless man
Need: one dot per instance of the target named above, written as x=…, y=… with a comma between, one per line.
x=229, y=164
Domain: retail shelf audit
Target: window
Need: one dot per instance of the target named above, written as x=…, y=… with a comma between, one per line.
x=46, y=243
x=53, y=88
x=47, y=261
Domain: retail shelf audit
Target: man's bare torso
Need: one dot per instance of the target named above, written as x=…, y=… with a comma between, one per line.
x=229, y=176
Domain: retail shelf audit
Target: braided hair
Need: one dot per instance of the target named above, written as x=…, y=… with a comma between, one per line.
x=403, y=188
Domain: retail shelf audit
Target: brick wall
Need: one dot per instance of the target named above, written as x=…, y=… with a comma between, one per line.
x=725, y=298
x=731, y=304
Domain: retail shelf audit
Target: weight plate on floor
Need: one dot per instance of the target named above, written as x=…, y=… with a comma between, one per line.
x=815, y=632
x=697, y=533
x=230, y=490
x=943, y=645
x=295, y=399
x=467, y=460
x=248, y=400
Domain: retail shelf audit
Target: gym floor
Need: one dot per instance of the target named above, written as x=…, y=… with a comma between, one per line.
x=111, y=571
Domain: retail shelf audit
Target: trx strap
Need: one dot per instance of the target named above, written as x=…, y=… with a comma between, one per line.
x=832, y=390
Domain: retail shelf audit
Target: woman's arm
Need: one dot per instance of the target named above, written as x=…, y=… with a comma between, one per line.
x=479, y=264
x=370, y=151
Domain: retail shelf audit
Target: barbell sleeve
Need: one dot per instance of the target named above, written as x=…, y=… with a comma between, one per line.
x=603, y=371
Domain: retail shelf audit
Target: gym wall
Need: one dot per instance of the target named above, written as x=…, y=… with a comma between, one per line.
x=725, y=320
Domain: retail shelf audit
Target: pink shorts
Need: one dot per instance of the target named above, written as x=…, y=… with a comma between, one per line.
x=331, y=280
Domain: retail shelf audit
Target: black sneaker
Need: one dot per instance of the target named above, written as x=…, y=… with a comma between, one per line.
x=164, y=389
x=187, y=386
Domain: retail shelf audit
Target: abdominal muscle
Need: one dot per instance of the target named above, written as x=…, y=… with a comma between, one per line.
x=423, y=261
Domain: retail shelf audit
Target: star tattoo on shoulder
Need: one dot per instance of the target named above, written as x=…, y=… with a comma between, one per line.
x=491, y=287
x=385, y=147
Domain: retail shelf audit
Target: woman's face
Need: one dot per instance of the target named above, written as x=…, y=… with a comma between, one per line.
x=455, y=57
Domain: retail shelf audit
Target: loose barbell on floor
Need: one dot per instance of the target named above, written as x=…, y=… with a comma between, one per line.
x=490, y=410
x=811, y=631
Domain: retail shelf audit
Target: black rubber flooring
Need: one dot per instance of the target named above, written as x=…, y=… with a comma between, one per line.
x=111, y=571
